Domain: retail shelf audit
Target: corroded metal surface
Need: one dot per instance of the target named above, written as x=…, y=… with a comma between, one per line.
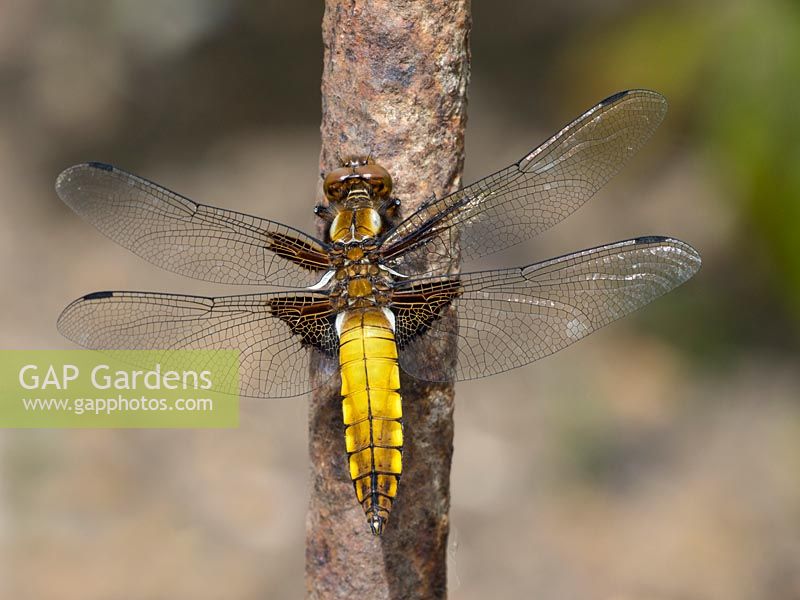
x=393, y=87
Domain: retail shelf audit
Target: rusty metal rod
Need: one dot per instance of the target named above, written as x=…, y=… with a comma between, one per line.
x=394, y=84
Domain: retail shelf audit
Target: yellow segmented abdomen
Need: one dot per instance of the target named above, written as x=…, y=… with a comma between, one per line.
x=372, y=410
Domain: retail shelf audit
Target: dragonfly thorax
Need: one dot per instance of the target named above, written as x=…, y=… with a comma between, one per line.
x=358, y=279
x=356, y=224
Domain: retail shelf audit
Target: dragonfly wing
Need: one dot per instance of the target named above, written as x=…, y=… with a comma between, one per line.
x=532, y=195
x=192, y=239
x=509, y=318
x=275, y=333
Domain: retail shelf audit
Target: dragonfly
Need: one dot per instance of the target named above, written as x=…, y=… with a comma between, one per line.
x=366, y=299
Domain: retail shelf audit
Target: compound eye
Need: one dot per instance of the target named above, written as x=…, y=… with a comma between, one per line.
x=334, y=186
x=381, y=187
x=333, y=191
x=378, y=178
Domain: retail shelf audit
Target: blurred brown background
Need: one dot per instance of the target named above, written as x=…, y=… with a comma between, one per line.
x=659, y=459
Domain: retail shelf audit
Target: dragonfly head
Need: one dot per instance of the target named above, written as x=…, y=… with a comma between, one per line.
x=358, y=174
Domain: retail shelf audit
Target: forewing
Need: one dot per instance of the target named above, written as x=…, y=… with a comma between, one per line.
x=509, y=318
x=180, y=235
x=275, y=333
x=532, y=195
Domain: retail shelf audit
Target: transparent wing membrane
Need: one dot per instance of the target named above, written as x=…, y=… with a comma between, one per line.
x=492, y=321
x=532, y=195
x=275, y=333
x=509, y=318
x=179, y=235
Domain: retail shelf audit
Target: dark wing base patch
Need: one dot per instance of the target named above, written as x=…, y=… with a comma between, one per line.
x=418, y=306
x=310, y=318
x=297, y=251
x=278, y=335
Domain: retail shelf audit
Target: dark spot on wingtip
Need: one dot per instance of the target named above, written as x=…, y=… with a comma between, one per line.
x=98, y=295
x=99, y=165
x=650, y=239
x=614, y=97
